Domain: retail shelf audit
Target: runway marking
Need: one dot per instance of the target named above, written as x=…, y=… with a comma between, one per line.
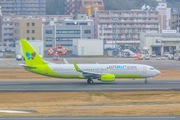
x=90, y=106
x=11, y=111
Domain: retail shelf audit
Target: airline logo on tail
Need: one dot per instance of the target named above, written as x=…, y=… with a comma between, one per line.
x=30, y=56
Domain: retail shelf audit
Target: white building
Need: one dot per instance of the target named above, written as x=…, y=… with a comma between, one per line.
x=38, y=46
x=168, y=41
x=88, y=47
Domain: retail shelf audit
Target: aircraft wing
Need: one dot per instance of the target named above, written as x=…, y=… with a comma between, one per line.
x=87, y=73
x=47, y=62
x=25, y=66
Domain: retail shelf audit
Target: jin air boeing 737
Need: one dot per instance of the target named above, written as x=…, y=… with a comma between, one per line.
x=101, y=72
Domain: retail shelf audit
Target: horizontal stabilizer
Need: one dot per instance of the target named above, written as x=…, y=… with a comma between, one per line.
x=25, y=66
x=65, y=61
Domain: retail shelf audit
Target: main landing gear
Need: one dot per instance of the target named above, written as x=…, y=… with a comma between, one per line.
x=90, y=81
x=146, y=81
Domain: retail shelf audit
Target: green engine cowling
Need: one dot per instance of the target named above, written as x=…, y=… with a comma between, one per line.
x=108, y=78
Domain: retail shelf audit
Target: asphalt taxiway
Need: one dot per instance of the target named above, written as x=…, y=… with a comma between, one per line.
x=82, y=86
x=94, y=118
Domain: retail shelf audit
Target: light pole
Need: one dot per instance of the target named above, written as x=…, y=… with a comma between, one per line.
x=55, y=34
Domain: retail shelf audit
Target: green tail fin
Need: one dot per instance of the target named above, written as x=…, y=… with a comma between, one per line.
x=31, y=56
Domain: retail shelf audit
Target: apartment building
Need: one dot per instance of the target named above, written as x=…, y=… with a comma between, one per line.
x=164, y=14
x=79, y=6
x=0, y=11
x=29, y=29
x=175, y=19
x=126, y=25
x=6, y=26
x=23, y=7
x=54, y=34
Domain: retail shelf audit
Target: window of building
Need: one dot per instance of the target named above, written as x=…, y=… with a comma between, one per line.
x=33, y=24
x=27, y=24
x=48, y=45
x=66, y=38
x=33, y=31
x=27, y=31
x=67, y=31
x=48, y=31
x=27, y=38
x=158, y=41
x=89, y=38
x=87, y=31
x=82, y=23
x=72, y=23
x=33, y=38
x=16, y=24
x=88, y=3
x=16, y=31
x=79, y=3
x=48, y=38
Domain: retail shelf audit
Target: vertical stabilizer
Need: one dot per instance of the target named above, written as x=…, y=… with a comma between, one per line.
x=32, y=58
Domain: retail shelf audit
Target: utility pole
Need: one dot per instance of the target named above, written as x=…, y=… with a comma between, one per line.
x=178, y=20
x=115, y=34
x=115, y=20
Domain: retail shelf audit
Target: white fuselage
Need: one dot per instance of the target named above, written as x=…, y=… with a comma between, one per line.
x=119, y=70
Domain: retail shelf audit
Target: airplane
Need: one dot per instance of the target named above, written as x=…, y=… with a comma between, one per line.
x=101, y=72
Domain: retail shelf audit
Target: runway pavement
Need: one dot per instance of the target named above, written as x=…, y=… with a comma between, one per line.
x=12, y=63
x=82, y=86
x=94, y=118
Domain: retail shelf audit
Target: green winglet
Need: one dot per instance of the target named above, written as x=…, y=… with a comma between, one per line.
x=76, y=67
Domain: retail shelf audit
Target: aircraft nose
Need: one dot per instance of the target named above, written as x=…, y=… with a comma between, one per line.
x=158, y=72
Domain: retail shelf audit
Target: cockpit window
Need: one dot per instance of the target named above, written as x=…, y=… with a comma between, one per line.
x=151, y=68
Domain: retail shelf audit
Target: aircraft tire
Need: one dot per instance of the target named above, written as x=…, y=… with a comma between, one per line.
x=146, y=81
x=90, y=81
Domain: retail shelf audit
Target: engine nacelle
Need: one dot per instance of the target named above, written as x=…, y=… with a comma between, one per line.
x=108, y=78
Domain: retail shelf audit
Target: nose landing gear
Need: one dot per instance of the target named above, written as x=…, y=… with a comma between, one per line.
x=90, y=81
x=146, y=81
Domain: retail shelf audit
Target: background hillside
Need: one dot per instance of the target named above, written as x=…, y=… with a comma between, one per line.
x=56, y=7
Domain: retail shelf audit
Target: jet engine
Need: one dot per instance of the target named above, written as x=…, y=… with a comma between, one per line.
x=107, y=78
